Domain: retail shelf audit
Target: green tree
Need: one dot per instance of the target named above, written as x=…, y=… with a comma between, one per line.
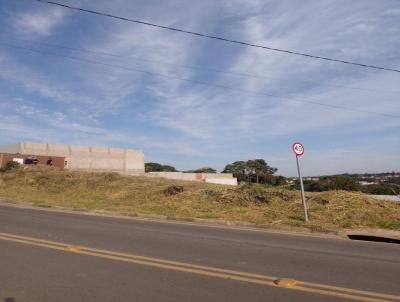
x=238, y=169
x=254, y=170
x=202, y=170
x=259, y=170
x=156, y=167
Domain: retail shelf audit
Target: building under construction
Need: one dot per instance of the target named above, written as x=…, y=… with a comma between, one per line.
x=88, y=158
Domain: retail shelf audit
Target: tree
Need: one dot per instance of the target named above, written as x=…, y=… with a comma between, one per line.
x=156, y=167
x=255, y=170
x=258, y=168
x=238, y=169
x=167, y=168
x=202, y=170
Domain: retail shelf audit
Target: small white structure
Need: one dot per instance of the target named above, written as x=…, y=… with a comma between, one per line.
x=19, y=160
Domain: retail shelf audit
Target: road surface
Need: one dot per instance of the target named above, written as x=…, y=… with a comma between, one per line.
x=52, y=256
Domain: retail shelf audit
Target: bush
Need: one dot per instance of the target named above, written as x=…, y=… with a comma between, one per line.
x=173, y=190
x=382, y=189
x=242, y=195
x=337, y=182
x=255, y=193
x=11, y=166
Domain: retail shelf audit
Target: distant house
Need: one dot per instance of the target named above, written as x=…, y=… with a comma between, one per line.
x=311, y=178
x=366, y=183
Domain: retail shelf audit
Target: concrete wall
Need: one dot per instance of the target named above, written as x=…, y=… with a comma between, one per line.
x=218, y=175
x=172, y=175
x=87, y=157
x=190, y=176
x=12, y=148
x=223, y=181
x=220, y=178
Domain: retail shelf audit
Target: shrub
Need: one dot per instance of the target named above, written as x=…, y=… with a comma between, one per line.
x=336, y=182
x=255, y=193
x=173, y=190
x=382, y=189
x=11, y=166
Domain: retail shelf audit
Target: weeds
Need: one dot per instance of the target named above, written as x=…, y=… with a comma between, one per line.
x=259, y=204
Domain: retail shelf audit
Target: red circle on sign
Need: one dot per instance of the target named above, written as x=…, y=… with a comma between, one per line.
x=298, y=148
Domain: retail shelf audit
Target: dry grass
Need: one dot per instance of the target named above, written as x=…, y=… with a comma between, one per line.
x=331, y=210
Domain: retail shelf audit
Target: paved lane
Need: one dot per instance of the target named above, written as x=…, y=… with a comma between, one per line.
x=32, y=273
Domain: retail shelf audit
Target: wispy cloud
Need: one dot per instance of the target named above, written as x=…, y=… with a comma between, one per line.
x=39, y=22
x=27, y=78
x=188, y=123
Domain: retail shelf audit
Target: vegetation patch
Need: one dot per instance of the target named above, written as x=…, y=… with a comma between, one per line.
x=10, y=166
x=173, y=190
x=255, y=203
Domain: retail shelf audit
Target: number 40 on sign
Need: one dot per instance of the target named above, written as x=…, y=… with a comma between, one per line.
x=298, y=149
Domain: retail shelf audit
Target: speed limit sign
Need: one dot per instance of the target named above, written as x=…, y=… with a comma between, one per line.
x=298, y=149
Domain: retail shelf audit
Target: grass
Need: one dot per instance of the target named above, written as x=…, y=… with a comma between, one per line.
x=328, y=211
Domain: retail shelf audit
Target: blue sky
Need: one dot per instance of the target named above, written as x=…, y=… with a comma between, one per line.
x=144, y=100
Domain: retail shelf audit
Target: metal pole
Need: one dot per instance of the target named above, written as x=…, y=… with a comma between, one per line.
x=303, y=198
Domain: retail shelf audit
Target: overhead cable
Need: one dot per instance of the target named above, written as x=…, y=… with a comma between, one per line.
x=172, y=77
x=307, y=55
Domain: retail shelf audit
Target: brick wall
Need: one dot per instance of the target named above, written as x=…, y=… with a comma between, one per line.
x=58, y=161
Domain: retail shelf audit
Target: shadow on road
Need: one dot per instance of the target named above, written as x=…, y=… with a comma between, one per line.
x=9, y=300
x=373, y=238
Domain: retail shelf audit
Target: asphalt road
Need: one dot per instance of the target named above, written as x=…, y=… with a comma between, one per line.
x=169, y=261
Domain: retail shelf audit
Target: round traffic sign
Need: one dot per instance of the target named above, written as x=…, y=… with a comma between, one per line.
x=298, y=149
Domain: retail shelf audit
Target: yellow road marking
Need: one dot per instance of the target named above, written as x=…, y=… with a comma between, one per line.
x=323, y=289
x=73, y=248
x=285, y=282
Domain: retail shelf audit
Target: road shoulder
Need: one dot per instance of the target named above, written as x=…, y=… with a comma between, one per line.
x=210, y=223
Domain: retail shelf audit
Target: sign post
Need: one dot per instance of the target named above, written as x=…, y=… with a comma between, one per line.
x=298, y=150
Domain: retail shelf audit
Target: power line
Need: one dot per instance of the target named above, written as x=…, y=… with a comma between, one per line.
x=217, y=37
x=202, y=83
x=241, y=74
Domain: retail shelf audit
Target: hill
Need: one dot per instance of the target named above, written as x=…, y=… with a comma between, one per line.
x=259, y=204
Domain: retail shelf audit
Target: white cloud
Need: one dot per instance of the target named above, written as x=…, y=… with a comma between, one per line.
x=393, y=12
x=200, y=122
x=39, y=23
x=34, y=80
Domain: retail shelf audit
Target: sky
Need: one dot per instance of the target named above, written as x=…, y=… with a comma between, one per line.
x=76, y=78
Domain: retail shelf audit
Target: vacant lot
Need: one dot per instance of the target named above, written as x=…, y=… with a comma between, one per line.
x=256, y=204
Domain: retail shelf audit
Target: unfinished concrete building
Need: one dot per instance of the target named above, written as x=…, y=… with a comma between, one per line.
x=88, y=158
